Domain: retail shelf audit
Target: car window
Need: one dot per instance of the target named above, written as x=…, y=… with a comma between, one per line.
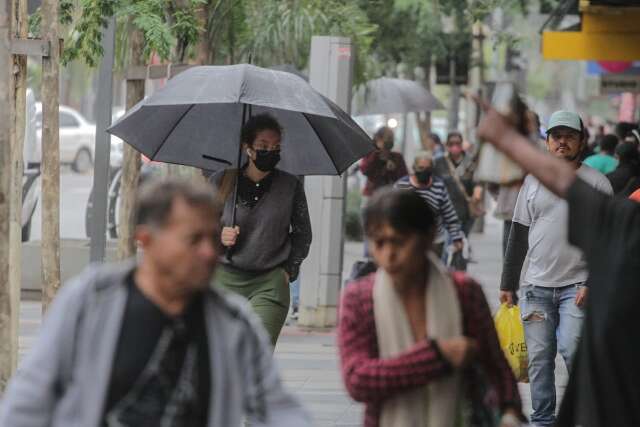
x=68, y=121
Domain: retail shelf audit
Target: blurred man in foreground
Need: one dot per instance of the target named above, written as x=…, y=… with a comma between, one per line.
x=150, y=343
x=603, y=387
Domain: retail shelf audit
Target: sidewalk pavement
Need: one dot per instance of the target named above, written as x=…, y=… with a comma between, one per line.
x=308, y=359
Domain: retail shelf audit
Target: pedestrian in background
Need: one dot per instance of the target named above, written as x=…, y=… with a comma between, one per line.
x=433, y=190
x=507, y=194
x=626, y=178
x=553, y=291
x=149, y=342
x=603, y=383
x=457, y=167
x=383, y=166
x=271, y=235
x=436, y=144
x=417, y=344
x=605, y=161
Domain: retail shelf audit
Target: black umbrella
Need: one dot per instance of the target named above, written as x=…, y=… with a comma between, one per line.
x=388, y=96
x=289, y=68
x=196, y=119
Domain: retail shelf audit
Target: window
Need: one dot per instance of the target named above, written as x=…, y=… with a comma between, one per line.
x=68, y=121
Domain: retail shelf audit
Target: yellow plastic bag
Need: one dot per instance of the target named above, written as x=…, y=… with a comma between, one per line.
x=511, y=335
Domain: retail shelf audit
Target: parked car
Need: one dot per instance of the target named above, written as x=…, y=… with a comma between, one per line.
x=32, y=158
x=77, y=140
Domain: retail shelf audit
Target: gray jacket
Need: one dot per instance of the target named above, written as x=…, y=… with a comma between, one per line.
x=64, y=380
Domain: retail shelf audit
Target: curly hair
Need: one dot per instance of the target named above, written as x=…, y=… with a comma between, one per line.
x=257, y=124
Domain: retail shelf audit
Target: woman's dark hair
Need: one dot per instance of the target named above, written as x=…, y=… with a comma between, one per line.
x=623, y=129
x=257, y=124
x=536, y=118
x=628, y=153
x=383, y=132
x=454, y=134
x=608, y=143
x=435, y=138
x=404, y=210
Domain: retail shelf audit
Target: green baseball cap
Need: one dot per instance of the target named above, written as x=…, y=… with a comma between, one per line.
x=567, y=119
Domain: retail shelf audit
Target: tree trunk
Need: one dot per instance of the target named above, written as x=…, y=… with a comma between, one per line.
x=50, y=155
x=424, y=119
x=8, y=324
x=202, y=46
x=131, y=160
x=18, y=112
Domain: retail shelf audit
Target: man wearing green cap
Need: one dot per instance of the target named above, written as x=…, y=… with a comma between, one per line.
x=553, y=291
x=603, y=387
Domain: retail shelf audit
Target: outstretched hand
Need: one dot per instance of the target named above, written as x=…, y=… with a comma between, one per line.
x=498, y=130
x=493, y=126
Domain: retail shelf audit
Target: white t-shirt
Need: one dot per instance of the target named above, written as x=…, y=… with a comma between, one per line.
x=553, y=262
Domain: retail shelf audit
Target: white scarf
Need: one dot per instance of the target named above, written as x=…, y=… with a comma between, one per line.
x=436, y=404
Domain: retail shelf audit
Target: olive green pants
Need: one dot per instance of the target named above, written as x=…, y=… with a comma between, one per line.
x=267, y=293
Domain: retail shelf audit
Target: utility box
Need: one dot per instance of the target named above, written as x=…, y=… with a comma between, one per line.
x=330, y=73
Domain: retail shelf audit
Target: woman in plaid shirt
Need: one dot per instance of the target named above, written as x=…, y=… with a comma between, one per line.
x=417, y=344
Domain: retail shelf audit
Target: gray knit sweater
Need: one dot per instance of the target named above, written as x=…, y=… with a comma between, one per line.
x=274, y=232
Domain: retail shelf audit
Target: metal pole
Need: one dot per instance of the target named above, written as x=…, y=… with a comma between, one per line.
x=330, y=73
x=405, y=129
x=454, y=103
x=102, y=146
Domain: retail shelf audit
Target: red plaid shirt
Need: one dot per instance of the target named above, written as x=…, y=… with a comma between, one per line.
x=371, y=380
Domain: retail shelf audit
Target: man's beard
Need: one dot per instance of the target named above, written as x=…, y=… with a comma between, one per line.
x=573, y=158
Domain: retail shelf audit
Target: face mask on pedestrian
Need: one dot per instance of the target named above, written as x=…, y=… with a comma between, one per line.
x=266, y=160
x=455, y=149
x=388, y=144
x=424, y=176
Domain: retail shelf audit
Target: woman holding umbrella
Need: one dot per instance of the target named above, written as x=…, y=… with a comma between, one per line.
x=271, y=234
x=198, y=119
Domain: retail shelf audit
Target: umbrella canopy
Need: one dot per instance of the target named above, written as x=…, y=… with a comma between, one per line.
x=196, y=119
x=390, y=96
x=289, y=68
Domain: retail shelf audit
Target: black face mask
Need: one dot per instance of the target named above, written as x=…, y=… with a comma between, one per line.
x=388, y=145
x=424, y=176
x=266, y=160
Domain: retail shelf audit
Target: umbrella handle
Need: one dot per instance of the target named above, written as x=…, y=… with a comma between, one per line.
x=246, y=114
x=230, y=250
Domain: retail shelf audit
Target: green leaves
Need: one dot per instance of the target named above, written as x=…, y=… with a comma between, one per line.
x=279, y=32
x=85, y=39
x=163, y=32
x=270, y=32
x=148, y=17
